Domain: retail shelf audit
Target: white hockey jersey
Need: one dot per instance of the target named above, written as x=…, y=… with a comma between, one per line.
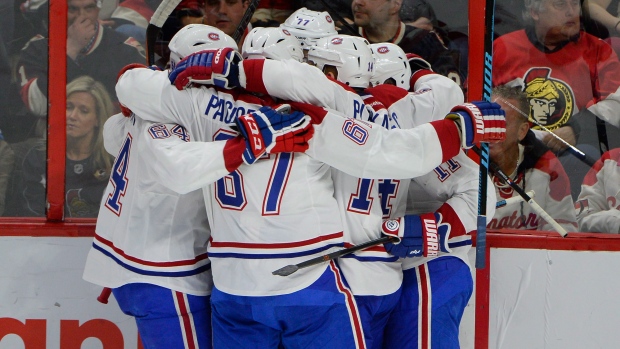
x=280, y=210
x=364, y=202
x=146, y=232
x=598, y=205
x=451, y=189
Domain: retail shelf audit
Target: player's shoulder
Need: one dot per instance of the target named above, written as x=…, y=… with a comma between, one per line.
x=387, y=94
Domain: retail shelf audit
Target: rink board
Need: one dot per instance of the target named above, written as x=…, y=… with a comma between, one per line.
x=557, y=297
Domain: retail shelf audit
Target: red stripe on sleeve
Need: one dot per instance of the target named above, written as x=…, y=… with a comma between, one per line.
x=448, y=133
x=254, y=75
x=417, y=75
x=233, y=152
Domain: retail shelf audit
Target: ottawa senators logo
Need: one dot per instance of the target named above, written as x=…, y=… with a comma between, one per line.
x=552, y=101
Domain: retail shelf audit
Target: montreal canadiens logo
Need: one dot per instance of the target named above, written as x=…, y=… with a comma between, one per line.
x=286, y=32
x=337, y=41
x=214, y=36
x=392, y=226
x=383, y=49
x=328, y=18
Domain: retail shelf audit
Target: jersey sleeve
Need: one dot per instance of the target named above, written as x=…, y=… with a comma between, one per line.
x=455, y=183
x=32, y=73
x=114, y=133
x=593, y=209
x=151, y=97
x=185, y=166
x=435, y=95
x=367, y=150
x=292, y=80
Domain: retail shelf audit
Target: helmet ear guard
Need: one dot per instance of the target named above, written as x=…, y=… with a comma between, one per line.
x=271, y=43
x=197, y=37
x=352, y=57
x=390, y=63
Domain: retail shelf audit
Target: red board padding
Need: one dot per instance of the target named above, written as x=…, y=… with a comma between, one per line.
x=549, y=240
x=39, y=227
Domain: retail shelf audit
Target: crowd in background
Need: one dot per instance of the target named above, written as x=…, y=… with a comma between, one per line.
x=555, y=63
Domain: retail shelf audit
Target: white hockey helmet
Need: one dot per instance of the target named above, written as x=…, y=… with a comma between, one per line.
x=271, y=43
x=390, y=62
x=351, y=55
x=309, y=26
x=197, y=37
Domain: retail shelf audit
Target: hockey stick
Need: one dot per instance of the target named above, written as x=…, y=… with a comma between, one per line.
x=498, y=172
x=247, y=16
x=339, y=18
x=157, y=21
x=512, y=200
x=290, y=269
x=572, y=149
x=481, y=234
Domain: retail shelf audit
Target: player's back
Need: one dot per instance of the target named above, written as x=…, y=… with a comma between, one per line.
x=145, y=231
x=278, y=211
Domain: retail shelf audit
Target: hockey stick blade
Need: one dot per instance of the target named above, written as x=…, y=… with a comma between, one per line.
x=290, y=269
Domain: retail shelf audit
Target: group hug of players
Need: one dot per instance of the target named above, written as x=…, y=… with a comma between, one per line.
x=231, y=165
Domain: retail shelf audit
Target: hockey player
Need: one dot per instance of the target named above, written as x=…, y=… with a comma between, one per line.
x=308, y=26
x=152, y=231
x=374, y=276
x=271, y=43
x=531, y=166
x=253, y=237
x=428, y=313
x=598, y=206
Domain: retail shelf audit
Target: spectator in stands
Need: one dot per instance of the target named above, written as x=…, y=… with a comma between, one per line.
x=379, y=21
x=418, y=13
x=272, y=13
x=531, y=166
x=607, y=13
x=570, y=78
x=131, y=17
x=87, y=164
x=598, y=205
x=7, y=158
x=226, y=14
x=92, y=50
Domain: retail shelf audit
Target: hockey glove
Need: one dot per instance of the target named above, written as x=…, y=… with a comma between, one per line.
x=416, y=63
x=269, y=131
x=479, y=122
x=419, y=236
x=209, y=67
